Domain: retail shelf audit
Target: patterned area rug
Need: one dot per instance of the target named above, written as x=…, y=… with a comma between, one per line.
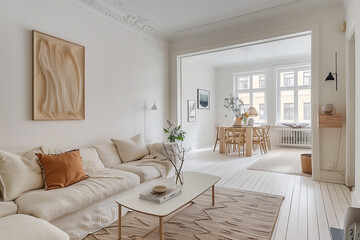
x=236, y=215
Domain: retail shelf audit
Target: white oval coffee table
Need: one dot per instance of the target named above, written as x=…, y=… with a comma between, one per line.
x=194, y=185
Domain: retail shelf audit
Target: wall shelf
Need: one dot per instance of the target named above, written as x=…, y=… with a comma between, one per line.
x=329, y=121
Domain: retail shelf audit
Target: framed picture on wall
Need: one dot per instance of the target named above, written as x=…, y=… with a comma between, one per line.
x=58, y=78
x=191, y=110
x=203, y=99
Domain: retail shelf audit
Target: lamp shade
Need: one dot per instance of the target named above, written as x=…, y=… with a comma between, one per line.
x=252, y=112
x=154, y=107
x=330, y=77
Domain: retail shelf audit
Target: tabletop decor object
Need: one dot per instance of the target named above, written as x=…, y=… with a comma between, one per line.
x=175, y=152
x=252, y=113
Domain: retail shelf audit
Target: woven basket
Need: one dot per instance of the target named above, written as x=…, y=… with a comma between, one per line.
x=306, y=163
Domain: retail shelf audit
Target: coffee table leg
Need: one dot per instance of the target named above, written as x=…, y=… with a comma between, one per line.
x=161, y=225
x=119, y=222
x=213, y=194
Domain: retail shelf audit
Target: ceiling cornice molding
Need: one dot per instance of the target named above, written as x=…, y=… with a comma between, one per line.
x=304, y=13
x=122, y=13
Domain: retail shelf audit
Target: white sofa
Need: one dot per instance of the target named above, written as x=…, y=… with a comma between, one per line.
x=89, y=205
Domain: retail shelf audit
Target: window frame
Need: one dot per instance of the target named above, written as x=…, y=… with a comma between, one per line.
x=295, y=88
x=251, y=90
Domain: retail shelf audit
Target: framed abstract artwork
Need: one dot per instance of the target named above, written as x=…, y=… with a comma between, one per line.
x=58, y=79
x=203, y=99
x=191, y=110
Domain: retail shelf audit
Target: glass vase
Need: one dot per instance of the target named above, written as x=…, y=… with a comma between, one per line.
x=179, y=178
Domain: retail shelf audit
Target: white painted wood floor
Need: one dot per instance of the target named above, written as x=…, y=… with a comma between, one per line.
x=309, y=207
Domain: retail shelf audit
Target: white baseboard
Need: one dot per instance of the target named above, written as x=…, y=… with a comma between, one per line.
x=330, y=176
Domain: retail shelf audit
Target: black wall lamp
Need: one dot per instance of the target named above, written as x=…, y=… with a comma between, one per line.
x=330, y=77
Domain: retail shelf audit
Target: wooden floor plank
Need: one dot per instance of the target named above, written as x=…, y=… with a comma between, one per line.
x=323, y=223
x=339, y=211
x=294, y=211
x=313, y=226
x=330, y=212
x=303, y=210
x=283, y=219
x=347, y=193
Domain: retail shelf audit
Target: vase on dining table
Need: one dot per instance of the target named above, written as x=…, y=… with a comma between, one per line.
x=238, y=121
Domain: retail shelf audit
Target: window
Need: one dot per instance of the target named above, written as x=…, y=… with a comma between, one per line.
x=287, y=79
x=307, y=111
x=250, y=88
x=294, y=95
x=288, y=111
x=261, y=112
x=243, y=82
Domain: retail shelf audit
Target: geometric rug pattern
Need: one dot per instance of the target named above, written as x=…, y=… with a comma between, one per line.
x=237, y=214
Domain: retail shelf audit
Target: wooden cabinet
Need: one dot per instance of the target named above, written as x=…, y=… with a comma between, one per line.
x=329, y=120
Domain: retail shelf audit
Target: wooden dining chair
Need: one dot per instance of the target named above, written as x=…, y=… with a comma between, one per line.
x=217, y=137
x=235, y=138
x=267, y=136
x=258, y=139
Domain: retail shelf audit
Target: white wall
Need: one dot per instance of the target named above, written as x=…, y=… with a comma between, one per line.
x=122, y=69
x=353, y=24
x=195, y=76
x=326, y=40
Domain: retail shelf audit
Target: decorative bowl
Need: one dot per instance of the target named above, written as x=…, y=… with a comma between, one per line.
x=159, y=188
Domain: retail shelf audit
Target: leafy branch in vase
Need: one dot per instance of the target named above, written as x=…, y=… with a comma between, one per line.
x=175, y=153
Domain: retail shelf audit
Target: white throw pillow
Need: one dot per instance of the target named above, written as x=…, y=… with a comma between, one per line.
x=90, y=158
x=108, y=154
x=132, y=149
x=19, y=174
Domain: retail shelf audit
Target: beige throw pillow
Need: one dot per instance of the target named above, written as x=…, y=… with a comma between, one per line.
x=132, y=149
x=108, y=154
x=19, y=174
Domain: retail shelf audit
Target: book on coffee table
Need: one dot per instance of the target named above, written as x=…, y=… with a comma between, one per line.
x=149, y=195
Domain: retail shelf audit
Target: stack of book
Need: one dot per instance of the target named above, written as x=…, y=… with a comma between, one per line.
x=151, y=196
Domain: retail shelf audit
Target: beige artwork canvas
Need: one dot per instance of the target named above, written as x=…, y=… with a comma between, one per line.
x=58, y=79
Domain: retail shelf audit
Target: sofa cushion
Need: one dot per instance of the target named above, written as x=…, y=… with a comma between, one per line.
x=7, y=208
x=19, y=174
x=31, y=229
x=50, y=205
x=108, y=154
x=131, y=149
x=145, y=173
x=90, y=158
x=61, y=170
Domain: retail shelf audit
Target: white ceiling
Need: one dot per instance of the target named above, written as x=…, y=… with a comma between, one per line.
x=165, y=19
x=175, y=15
x=291, y=47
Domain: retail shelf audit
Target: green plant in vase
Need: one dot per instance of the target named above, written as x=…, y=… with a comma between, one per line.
x=175, y=152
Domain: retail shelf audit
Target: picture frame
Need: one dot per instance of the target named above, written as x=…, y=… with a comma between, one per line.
x=191, y=110
x=58, y=78
x=203, y=99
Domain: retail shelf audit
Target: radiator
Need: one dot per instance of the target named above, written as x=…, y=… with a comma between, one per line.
x=294, y=137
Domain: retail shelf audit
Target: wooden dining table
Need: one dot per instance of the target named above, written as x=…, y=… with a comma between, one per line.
x=248, y=141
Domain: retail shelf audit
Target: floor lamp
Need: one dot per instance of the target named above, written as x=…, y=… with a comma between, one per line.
x=153, y=108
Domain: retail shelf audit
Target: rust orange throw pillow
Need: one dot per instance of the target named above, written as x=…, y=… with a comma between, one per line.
x=61, y=170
